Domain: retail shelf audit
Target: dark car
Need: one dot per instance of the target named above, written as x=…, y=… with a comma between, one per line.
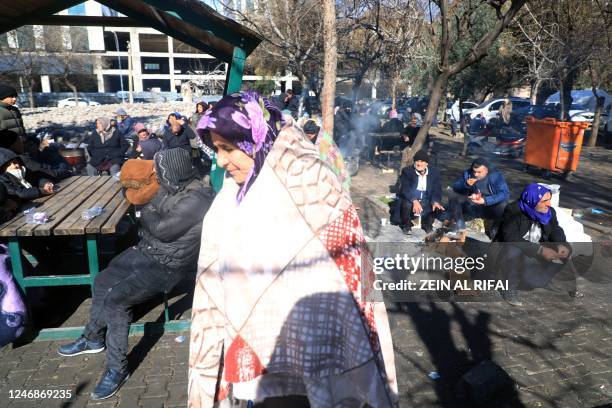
x=517, y=118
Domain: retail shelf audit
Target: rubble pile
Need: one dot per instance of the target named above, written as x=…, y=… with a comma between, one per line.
x=78, y=121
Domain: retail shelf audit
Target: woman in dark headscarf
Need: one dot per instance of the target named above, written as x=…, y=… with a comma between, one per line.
x=539, y=247
x=285, y=263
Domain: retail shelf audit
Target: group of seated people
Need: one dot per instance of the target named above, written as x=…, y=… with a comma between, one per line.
x=30, y=167
x=480, y=192
x=115, y=140
x=539, y=247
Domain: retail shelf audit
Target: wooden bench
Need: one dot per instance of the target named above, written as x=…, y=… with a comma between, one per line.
x=64, y=210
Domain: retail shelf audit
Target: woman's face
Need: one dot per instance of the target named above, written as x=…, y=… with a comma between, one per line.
x=232, y=159
x=544, y=204
x=99, y=126
x=200, y=108
x=13, y=165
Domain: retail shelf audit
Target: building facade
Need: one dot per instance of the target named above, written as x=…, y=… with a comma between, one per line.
x=115, y=55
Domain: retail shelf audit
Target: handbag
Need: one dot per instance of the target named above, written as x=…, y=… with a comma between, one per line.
x=13, y=312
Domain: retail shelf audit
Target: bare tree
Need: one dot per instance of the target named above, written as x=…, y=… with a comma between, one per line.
x=400, y=34
x=453, y=21
x=292, y=32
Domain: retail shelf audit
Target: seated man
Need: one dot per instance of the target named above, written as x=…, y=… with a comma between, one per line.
x=420, y=194
x=170, y=230
x=481, y=192
x=124, y=123
x=538, y=248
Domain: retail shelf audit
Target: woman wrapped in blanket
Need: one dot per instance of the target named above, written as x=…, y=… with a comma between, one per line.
x=283, y=301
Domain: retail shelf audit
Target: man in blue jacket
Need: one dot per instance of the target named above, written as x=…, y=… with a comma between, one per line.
x=481, y=192
x=420, y=193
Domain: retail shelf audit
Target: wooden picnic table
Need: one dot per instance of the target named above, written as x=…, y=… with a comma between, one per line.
x=64, y=209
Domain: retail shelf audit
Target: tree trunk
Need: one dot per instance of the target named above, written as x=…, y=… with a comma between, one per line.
x=534, y=91
x=74, y=90
x=565, y=93
x=393, y=91
x=596, y=120
x=329, y=66
x=437, y=90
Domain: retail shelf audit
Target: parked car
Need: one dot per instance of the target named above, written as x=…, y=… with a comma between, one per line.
x=517, y=118
x=490, y=108
x=65, y=103
x=583, y=104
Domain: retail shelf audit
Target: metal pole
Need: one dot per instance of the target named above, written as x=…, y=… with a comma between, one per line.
x=119, y=60
x=130, y=83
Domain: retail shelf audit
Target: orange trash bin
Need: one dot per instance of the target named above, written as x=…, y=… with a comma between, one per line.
x=554, y=145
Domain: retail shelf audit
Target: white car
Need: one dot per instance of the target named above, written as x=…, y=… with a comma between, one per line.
x=68, y=102
x=466, y=106
x=583, y=105
x=490, y=108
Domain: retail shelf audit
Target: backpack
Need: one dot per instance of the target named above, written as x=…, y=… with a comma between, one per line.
x=13, y=312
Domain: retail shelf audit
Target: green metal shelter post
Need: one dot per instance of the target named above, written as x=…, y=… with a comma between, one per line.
x=92, y=257
x=233, y=82
x=15, y=252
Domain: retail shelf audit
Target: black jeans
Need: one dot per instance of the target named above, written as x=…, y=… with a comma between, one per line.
x=130, y=278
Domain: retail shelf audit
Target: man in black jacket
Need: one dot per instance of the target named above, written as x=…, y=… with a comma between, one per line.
x=170, y=230
x=420, y=193
x=10, y=117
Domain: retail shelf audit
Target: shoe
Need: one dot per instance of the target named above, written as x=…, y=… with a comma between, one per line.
x=109, y=384
x=407, y=230
x=511, y=297
x=81, y=346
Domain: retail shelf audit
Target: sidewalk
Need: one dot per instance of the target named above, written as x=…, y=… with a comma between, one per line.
x=159, y=380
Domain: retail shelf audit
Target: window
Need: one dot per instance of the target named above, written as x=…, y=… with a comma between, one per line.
x=149, y=67
x=495, y=106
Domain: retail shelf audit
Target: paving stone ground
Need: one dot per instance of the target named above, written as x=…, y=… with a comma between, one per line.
x=558, y=353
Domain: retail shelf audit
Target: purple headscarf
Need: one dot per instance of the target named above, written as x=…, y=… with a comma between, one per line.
x=530, y=197
x=249, y=121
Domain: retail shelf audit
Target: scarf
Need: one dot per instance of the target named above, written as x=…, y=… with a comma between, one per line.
x=19, y=174
x=107, y=132
x=249, y=121
x=530, y=197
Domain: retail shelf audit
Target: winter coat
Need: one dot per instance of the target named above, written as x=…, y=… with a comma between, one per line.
x=14, y=188
x=409, y=182
x=113, y=150
x=493, y=188
x=515, y=225
x=10, y=119
x=126, y=127
x=293, y=104
x=171, y=224
x=181, y=140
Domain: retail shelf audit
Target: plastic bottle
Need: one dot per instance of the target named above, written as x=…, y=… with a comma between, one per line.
x=92, y=212
x=34, y=217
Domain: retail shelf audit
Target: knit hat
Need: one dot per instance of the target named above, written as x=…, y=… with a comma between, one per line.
x=174, y=168
x=422, y=156
x=139, y=180
x=6, y=91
